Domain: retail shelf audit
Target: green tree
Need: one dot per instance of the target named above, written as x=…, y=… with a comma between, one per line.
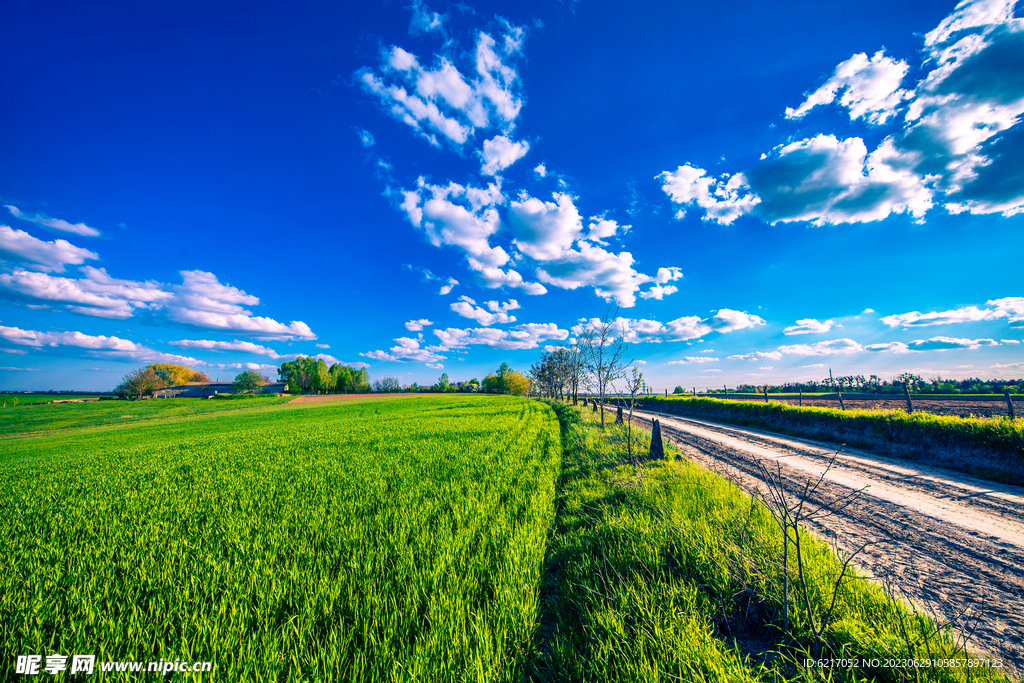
x=492, y=384
x=139, y=383
x=248, y=381
x=9, y=401
x=516, y=383
x=174, y=375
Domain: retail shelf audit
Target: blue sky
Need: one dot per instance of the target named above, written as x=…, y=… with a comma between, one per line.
x=766, y=191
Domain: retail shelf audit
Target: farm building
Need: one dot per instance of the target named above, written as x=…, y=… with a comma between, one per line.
x=207, y=389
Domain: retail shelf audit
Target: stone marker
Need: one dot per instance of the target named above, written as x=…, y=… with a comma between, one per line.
x=657, y=447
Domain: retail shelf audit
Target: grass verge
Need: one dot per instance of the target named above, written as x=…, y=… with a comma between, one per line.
x=988, y=448
x=666, y=572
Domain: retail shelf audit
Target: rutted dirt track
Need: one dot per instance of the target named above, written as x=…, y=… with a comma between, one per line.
x=952, y=543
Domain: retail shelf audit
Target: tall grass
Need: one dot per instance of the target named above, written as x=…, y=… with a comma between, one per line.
x=668, y=572
x=384, y=541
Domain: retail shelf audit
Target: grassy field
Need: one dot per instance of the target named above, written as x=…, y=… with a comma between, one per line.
x=380, y=541
x=422, y=538
x=24, y=399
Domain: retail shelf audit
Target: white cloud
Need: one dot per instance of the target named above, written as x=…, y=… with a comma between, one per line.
x=526, y=336
x=948, y=343
x=757, y=355
x=323, y=346
x=711, y=370
x=809, y=326
x=814, y=365
x=425, y=21
x=545, y=230
x=680, y=329
x=202, y=301
x=541, y=170
x=895, y=347
x=766, y=367
x=236, y=345
x=445, y=289
x=436, y=366
x=724, y=200
x=1010, y=308
x=602, y=228
x=443, y=100
x=1010, y=341
x=871, y=88
x=957, y=144
x=499, y=153
x=95, y=345
x=53, y=223
x=408, y=349
x=639, y=362
x=366, y=137
x=417, y=325
x=47, y=256
x=823, y=348
x=493, y=313
x=686, y=360
x=96, y=294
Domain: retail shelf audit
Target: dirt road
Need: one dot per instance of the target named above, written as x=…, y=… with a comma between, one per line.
x=953, y=544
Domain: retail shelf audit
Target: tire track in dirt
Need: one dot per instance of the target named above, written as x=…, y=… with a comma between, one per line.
x=952, y=544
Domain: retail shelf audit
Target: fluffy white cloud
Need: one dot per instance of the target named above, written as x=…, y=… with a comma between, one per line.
x=46, y=256
x=723, y=199
x=499, y=153
x=602, y=228
x=823, y=348
x=544, y=230
x=1010, y=308
x=417, y=325
x=686, y=360
x=493, y=313
x=870, y=85
x=680, y=329
x=408, y=349
x=757, y=355
x=53, y=223
x=526, y=336
x=809, y=326
x=895, y=347
x=236, y=345
x=956, y=145
x=96, y=294
x=443, y=100
x=541, y=170
x=947, y=343
x=95, y=345
x=425, y=21
x=202, y=301
x=323, y=346
x=445, y=289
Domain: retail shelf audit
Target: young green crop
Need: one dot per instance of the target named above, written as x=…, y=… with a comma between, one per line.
x=366, y=541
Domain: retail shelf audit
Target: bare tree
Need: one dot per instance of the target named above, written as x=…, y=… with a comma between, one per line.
x=605, y=352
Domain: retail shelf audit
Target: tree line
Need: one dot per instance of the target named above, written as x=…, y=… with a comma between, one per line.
x=306, y=375
x=874, y=384
x=504, y=381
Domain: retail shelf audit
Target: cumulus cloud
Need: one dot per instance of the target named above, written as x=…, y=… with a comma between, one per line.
x=686, y=360
x=809, y=326
x=499, y=153
x=445, y=289
x=425, y=21
x=493, y=313
x=954, y=138
x=53, y=223
x=870, y=85
x=202, y=301
x=526, y=336
x=895, y=347
x=100, y=345
x=757, y=355
x=323, y=346
x=948, y=343
x=97, y=294
x=823, y=348
x=417, y=325
x=366, y=137
x=443, y=100
x=18, y=245
x=602, y=228
x=680, y=329
x=541, y=170
x=236, y=345
x=408, y=349
x=1009, y=308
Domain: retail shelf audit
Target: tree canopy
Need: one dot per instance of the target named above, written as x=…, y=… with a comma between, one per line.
x=172, y=374
x=140, y=382
x=307, y=375
x=248, y=381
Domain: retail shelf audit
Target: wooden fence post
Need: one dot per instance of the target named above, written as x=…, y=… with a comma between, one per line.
x=726, y=390
x=766, y=393
x=801, y=397
x=906, y=390
x=842, y=406
x=657, y=447
x=1009, y=405
x=618, y=416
